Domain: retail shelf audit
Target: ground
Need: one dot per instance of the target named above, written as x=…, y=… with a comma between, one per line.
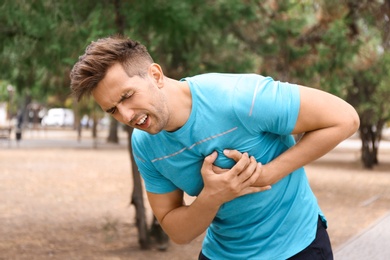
x=72, y=201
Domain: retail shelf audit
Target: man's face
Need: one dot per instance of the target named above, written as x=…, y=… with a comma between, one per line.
x=134, y=101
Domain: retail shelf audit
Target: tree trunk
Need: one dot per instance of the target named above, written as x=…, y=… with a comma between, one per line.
x=94, y=129
x=144, y=235
x=370, y=142
x=113, y=132
x=137, y=199
x=160, y=237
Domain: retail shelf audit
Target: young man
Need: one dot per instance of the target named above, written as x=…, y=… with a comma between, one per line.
x=225, y=138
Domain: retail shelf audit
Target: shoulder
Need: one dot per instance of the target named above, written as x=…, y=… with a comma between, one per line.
x=220, y=83
x=212, y=78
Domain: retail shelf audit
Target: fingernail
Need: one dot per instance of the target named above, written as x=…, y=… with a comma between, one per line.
x=226, y=151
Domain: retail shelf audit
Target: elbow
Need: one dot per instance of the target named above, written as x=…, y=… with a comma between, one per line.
x=181, y=241
x=353, y=122
x=178, y=236
x=356, y=123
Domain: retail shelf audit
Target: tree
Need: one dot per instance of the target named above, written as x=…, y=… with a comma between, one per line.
x=338, y=46
x=371, y=93
x=352, y=38
x=318, y=43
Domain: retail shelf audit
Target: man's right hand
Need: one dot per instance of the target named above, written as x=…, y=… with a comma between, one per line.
x=223, y=185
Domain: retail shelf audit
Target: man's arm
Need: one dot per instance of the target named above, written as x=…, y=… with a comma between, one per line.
x=325, y=120
x=184, y=223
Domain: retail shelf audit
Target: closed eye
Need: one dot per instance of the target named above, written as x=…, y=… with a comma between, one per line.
x=111, y=110
x=125, y=96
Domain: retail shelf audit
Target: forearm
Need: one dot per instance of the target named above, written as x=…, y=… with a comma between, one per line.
x=312, y=146
x=185, y=223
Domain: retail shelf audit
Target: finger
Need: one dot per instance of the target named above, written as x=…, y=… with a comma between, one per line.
x=211, y=158
x=233, y=154
x=240, y=166
x=209, y=161
x=219, y=170
x=250, y=181
x=254, y=176
x=249, y=170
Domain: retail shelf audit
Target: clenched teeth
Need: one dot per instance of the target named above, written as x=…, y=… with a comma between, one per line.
x=142, y=120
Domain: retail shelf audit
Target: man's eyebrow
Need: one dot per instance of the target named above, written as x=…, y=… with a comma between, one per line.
x=112, y=109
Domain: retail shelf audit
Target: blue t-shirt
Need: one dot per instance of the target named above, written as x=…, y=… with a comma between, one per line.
x=253, y=114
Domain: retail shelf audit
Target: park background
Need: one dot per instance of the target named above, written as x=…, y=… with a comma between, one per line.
x=66, y=190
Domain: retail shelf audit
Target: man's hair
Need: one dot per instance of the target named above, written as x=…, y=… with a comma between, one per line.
x=102, y=54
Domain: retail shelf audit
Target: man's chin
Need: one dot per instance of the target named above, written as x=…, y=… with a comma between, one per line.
x=148, y=130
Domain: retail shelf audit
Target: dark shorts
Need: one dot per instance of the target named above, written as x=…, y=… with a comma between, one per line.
x=319, y=249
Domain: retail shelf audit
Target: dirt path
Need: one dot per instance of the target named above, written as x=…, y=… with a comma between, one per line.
x=73, y=203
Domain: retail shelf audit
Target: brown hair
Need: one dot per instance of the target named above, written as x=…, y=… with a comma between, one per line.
x=99, y=56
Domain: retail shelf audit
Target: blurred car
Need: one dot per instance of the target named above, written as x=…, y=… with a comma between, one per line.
x=58, y=117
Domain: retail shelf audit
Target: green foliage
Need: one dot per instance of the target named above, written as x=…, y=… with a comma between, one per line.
x=37, y=39
x=338, y=46
x=187, y=37
x=373, y=87
x=4, y=93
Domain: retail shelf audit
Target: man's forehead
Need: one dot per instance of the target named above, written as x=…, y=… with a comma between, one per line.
x=117, y=97
x=108, y=95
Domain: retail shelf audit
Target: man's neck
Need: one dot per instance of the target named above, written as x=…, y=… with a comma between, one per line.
x=180, y=102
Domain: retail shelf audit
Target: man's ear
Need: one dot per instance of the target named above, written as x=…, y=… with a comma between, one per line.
x=156, y=73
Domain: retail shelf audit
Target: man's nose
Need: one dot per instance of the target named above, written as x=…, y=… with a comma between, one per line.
x=126, y=114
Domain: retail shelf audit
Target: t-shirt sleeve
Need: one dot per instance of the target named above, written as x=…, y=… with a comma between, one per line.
x=265, y=105
x=154, y=181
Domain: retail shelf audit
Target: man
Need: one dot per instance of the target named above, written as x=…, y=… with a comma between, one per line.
x=226, y=139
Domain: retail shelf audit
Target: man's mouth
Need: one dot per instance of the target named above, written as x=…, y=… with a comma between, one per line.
x=142, y=120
